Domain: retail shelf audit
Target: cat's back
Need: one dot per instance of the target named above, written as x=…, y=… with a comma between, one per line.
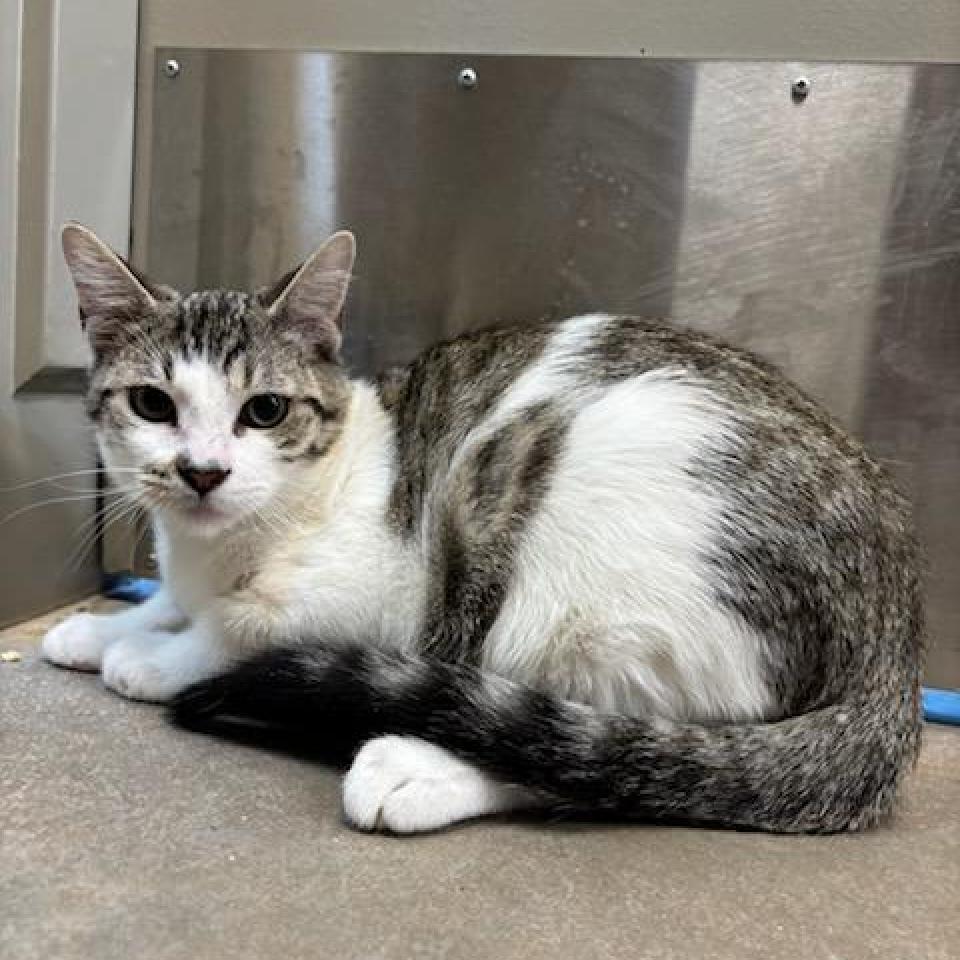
x=451, y=388
x=496, y=414
x=646, y=501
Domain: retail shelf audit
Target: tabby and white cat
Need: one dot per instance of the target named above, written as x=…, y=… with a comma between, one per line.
x=596, y=566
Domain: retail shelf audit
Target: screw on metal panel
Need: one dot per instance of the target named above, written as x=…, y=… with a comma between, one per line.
x=467, y=79
x=800, y=88
x=172, y=68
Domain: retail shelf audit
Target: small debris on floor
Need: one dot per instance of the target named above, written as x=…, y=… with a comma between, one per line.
x=10, y=656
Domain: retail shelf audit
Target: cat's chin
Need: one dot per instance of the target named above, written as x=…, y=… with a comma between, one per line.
x=203, y=520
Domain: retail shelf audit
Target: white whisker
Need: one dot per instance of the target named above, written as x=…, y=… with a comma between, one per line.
x=56, y=477
x=112, y=514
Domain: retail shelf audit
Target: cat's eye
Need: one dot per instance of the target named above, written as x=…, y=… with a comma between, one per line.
x=153, y=404
x=265, y=410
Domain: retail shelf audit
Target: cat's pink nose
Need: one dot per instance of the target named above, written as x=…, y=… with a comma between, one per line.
x=202, y=480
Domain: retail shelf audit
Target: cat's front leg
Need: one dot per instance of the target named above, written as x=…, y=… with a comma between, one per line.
x=157, y=666
x=259, y=613
x=79, y=641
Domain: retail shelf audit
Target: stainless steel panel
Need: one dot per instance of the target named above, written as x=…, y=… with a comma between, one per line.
x=822, y=233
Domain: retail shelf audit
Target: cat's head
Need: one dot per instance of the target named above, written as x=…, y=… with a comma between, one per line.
x=209, y=406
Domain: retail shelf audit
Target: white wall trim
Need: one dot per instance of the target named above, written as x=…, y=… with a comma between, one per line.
x=91, y=149
x=817, y=30
x=67, y=89
x=11, y=24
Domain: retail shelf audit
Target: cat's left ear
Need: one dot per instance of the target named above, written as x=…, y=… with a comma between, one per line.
x=308, y=303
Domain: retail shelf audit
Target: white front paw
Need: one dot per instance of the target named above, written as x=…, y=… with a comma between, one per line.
x=135, y=668
x=78, y=642
x=406, y=785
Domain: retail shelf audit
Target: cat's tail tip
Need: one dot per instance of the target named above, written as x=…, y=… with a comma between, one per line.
x=261, y=689
x=221, y=695
x=199, y=703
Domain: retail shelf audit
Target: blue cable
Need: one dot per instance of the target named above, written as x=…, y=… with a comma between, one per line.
x=941, y=706
x=125, y=586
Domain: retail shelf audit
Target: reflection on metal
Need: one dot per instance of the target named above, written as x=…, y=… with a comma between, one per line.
x=468, y=79
x=818, y=228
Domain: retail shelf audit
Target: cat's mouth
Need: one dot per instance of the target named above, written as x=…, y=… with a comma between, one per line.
x=204, y=508
x=204, y=512
x=205, y=516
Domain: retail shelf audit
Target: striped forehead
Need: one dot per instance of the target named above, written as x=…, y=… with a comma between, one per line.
x=215, y=325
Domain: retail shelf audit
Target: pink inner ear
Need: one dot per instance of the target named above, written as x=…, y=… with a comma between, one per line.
x=310, y=307
x=301, y=324
x=106, y=288
x=319, y=296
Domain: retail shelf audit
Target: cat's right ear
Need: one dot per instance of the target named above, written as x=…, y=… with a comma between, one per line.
x=108, y=292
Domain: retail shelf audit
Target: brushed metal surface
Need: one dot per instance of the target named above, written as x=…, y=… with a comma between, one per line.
x=823, y=232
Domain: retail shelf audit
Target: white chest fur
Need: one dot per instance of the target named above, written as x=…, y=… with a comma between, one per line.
x=333, y=569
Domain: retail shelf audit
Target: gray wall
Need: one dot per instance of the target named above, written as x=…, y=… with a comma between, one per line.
x=66, y=118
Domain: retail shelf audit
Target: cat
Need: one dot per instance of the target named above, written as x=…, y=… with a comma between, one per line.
x=594, y=566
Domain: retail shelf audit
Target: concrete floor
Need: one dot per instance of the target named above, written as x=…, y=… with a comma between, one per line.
x=121, y=837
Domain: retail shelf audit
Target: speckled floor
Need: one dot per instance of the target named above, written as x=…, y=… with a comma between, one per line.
x=121, y=837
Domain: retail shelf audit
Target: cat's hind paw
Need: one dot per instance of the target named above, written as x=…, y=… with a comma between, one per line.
x=407, y=785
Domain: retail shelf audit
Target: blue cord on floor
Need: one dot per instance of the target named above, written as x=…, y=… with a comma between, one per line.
x=939, y=706
x=125, y=586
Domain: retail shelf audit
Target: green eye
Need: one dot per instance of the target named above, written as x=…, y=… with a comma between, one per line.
x=152, y=404
x=265, y=410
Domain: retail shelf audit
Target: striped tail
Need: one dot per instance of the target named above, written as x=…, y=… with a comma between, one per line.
x=835, y=768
